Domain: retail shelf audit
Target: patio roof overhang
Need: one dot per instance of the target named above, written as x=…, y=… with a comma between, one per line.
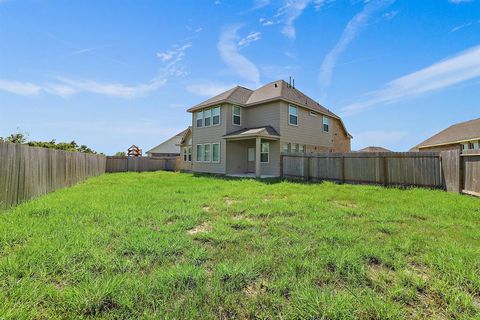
x=266, y=133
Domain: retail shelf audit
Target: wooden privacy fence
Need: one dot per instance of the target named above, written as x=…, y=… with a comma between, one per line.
x=462, y=171
x=140, y=164
x=386, y=168
x=28, y=172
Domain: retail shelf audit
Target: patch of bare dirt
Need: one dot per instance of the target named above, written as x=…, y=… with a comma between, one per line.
x=204, y=227
x=420, y=271
x=241, y=217
x=255, y=289
x=206, y=208
x=229, y=201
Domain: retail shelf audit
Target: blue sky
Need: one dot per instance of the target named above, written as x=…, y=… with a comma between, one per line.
x=113, y=73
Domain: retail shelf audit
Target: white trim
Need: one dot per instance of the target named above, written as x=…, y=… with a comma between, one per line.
x=205, y=117
x=268, y=153
x=323, y=124
x=219, y=115
x=233, y=115
x=447, y=143
x=293, y=106
x=210, y=153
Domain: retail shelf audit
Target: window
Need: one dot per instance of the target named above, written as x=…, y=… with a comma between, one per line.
x=184, y=152
x=464, y=146
x=216, y=116
x=313, y=114
x=199, y=152
x=208, y=117
x=199, y=119
x=292, y=115
x=302, y=148
x=326, y=124
x=471, y=146
x=206, y=153
x=236, y=115
x=265, y=152
x=286, y=147
x=189, y=152
x=476, y=145
x=294, y=147
x=216, y=152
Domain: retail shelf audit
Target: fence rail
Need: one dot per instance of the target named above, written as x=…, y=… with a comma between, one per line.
x=28, y=172
x=385, y=168
x=140, y=164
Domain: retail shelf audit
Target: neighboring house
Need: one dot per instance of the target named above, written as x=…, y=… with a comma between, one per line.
x=170, y=147
x=374, y=149
x=460, y=136
x=244, y=131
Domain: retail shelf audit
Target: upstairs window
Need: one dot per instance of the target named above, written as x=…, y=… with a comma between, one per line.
x=199, y=119
x=265, y=152
x=208, y=117
x=326, y=124
x=292, y=115
x=216, y=116
x=236, y=115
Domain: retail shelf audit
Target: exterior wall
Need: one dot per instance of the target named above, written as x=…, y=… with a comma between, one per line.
x=273, y=167
x=237, y=157
x=170, y=146
x=455, y=146
x=212, y=134
x=309, y=132
x=185, y=165
x=267, y=114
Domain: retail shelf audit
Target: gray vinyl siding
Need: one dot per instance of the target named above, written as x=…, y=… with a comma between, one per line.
x=212, y=134
x=237, y=156
x=308, y=131
x=273, y=167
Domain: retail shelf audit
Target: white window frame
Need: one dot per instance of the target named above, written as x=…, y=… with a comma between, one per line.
x=219, y=155
x=209, y=152
x=213, y=116
x=184, y=154
x=326, y=121
x=199, y=114
x=234, y=115
x=189, y=153
x=205, y=118
x=267, y=153
x=197, y=153
x=290, y=108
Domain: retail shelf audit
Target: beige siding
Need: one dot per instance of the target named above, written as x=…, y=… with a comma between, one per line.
x=185, y=165
x=212, y=134
x=309, y=131
x=237, y=156
x=267, y=114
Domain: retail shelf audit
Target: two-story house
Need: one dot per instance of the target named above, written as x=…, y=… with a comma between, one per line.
x=243, y=131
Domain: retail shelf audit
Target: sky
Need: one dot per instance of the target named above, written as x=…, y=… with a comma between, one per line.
x=110, y=74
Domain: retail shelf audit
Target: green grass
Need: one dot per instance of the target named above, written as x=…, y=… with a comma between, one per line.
x=175, y=246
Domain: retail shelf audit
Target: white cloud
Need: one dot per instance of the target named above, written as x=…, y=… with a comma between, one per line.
x=443, y=74
x=67, y=86
x=465, y=25
x=459, y=1
x=289, y=13
x=350, y=32
x=237, y=63
x=209, y=89
x=252, y=37
x=260, y=4
x=20, y=88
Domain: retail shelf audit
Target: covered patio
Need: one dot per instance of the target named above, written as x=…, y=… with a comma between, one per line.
x=253, y=152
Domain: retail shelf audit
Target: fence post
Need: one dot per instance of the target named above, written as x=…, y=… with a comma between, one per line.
x=461, y=174
x=343, y=168
x=385, y=170
x=281, y=164
x=306, y=170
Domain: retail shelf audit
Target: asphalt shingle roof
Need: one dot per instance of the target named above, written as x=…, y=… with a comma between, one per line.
x=463, y=131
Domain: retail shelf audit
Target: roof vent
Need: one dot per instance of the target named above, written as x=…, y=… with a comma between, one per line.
x=275, y=84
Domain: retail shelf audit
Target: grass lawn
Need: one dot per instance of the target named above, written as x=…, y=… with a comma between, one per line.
x=175, y=246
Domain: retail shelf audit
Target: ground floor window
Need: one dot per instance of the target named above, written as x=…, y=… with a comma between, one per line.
x=189, y=153
x=286, y=147
x=215, y=152
x=206, y=152
x=199, y=152
x=265, y=152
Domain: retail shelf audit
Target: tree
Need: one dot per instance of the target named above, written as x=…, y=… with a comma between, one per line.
x=120, y=154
